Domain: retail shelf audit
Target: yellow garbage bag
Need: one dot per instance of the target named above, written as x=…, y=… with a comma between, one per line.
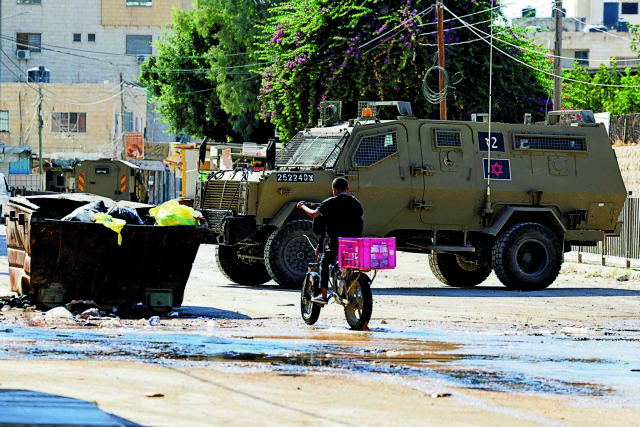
x=173, y=213
x=111, y=222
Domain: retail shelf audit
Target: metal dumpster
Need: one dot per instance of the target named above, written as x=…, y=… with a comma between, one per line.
x=58, y=261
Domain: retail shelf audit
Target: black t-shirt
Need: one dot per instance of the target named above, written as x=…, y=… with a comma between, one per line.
x=342, y=216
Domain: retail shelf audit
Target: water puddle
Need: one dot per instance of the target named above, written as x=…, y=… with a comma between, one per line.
x=548, y=364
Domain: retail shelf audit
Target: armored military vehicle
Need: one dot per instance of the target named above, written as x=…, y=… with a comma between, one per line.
x=475, y=196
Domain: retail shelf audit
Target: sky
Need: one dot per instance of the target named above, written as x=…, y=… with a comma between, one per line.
x=513, y=8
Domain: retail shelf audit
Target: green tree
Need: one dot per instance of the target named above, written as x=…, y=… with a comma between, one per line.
x=381, y=50
x=608, y=90
x=206, y=78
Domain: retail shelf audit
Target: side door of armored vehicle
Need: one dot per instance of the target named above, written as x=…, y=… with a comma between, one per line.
x=379, y=157
x=448, y=168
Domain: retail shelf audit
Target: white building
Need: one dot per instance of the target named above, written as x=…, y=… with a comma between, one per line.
x=595, y=35
x=79, y=59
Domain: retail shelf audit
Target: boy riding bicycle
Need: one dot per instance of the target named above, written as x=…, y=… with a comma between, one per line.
x=337, y=216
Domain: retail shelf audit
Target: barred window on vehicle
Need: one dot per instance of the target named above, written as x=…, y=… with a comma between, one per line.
x=69, y=122
x=374, y=148
x=4, y=121
x=447, y=138
x=550, y=142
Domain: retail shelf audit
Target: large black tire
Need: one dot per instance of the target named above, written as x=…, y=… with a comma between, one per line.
x=310, y=288
x=288, y=253
x=527, y=257
x=358, y=310
x=238, y=271
x=455, y=271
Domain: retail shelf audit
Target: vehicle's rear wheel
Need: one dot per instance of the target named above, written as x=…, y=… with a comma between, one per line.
x=453, y=270
x=527, y=257
x=231, y=264
x=288, y=253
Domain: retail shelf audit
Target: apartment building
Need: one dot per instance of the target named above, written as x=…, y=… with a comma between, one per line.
x=77, y=63
x=595, y=35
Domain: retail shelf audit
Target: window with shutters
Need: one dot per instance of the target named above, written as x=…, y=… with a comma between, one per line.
x=4, y=121
x=139, y=45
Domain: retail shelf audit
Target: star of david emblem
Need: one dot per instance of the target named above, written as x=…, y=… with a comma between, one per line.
x=496, y=169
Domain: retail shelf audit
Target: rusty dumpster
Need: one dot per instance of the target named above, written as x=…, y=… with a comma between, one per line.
x=57, y=261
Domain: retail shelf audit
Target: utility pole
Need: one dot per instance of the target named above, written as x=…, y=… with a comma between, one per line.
x=122, y=115
x=557, y=63
x=443, y=102
x=41, y=167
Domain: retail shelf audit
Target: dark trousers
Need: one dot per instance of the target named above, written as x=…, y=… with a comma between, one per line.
x=329, y=256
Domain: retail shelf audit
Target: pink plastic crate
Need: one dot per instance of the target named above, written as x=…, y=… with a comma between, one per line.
x=367, y=253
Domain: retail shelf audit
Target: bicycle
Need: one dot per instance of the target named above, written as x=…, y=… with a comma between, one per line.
x=349, y=286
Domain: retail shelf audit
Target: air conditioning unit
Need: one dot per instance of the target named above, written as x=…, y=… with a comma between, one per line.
x=140, y=59
x=23, y=53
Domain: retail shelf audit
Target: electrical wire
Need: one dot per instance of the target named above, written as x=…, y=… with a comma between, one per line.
x=541, y=70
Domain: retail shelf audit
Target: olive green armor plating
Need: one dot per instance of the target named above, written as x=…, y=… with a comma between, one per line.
x=474, y=196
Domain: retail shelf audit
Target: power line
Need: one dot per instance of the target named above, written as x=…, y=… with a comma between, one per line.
x=537, y=69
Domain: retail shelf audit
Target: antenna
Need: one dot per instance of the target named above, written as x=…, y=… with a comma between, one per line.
x=487, y=209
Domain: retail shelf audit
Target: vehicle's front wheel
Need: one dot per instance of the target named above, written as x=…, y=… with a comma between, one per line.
x=310, y=311
x=231, y=264
x=527, y=257
x=360, y=301
x=288, y=252
x=453, y=270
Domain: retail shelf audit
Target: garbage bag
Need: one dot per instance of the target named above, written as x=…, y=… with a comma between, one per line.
x=173, y=213
x=112, y=223
x=128, y=214
x=85, y=212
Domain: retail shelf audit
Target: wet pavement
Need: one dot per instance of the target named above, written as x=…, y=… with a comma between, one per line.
x=582, y=364
x=477, y=339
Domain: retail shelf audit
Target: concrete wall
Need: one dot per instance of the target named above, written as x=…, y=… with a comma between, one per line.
x=601, y=46
x=101, y=103
x=629, y=161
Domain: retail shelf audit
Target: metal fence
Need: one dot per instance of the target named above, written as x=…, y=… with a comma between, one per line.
x=627, y=245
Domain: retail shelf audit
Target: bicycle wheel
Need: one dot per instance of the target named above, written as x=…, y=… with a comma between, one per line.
x=360, y=301
x=310, y=311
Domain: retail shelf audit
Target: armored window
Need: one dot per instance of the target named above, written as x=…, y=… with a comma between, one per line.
x=447, y=138
x=4, y=121
x=91, y=37
x=550, y=142
x=28, y=41
x=69, y=122
x=29, y=1
x=77, y=37
x=138, y=45
x=374, y=148
x=101, y=170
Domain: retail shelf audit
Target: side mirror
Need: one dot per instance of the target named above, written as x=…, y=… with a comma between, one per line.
x=271, y=153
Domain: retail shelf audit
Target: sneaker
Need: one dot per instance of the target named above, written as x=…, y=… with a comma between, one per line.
x=320, y=300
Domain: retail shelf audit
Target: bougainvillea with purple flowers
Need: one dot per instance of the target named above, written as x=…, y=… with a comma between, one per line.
x=381, y=50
